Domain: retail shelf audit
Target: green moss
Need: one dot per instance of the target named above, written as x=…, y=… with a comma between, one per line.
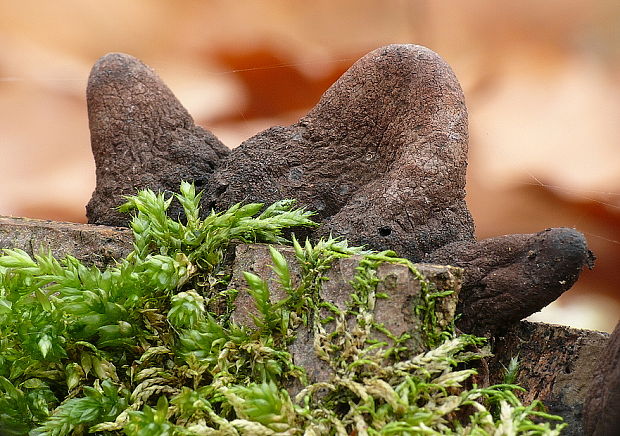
x=147, y=346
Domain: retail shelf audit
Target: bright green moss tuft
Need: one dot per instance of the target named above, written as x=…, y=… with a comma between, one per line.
x=146, y=346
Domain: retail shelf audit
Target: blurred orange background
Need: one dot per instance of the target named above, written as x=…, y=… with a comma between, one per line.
x=541, y=79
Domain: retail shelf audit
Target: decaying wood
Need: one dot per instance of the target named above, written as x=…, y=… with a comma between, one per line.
x=602, y=408
x=396, y=313
x=557, y=364
x=98, y=245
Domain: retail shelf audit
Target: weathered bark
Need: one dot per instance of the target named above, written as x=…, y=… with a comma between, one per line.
x=97, y=245
x=602, y=409
x=557, y=366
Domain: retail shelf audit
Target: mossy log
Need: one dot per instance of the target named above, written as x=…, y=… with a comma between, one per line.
x=557, y=363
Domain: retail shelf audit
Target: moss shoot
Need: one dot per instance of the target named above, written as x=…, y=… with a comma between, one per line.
x=147, y=346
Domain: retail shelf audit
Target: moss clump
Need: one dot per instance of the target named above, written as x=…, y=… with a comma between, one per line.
x=147, y=346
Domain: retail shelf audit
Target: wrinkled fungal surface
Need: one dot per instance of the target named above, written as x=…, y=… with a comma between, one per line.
x=141, y=136
x=381, y=158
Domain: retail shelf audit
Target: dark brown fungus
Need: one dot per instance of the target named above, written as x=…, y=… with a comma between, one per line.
x=381, y=158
